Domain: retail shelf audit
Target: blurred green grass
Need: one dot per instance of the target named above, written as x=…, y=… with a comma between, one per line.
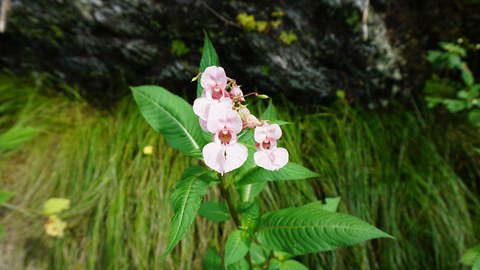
x=393, y=169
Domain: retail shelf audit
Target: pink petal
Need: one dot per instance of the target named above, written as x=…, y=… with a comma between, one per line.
x=214, y=156
x=203, y=124
x=267, y=132
x=222, y=116
x=271, y=159
x=213, y=76
x=201, y=107
x=236, y=155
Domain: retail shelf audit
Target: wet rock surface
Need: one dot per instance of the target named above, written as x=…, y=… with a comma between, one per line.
x=104, y=46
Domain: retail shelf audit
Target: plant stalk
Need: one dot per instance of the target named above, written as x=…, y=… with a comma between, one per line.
x=233, y=212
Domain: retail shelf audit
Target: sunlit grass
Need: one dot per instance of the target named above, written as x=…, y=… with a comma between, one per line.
x=389, y=168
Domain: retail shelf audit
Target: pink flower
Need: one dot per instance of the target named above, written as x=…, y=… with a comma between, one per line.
x=224, y=154
x=268, y=155
x=237, y=94
x=249, y=120
x=213, y=82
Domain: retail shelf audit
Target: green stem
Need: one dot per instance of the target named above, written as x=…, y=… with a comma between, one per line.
x=18, y=209
x=233, y=212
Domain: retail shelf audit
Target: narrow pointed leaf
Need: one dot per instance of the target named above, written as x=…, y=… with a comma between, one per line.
x=236, y=248
x=170, y=115
x=270, y=112
x=214, y=211
x=302, y=230
x=291, y=171
x=209, y=58
x=185, y=199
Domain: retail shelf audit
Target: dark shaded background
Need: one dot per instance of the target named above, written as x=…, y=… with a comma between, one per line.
x=104, y=46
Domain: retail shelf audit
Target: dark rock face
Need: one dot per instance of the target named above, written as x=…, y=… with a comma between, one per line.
x=104, y=46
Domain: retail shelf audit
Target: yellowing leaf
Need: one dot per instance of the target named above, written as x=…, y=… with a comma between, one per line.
x=246, y=21
x=55, y=226
x=261, y=26
x=55, y=205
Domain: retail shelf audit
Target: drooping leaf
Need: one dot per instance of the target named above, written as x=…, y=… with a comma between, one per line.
x=306, y=229
x=5, y=196
x=54, y=206
x=214, y=211
x=170, y=115
x=291, y=171
x=236, y=248
x=469, y=257
x=185, y=199
x=212, y=260
x=209, y=58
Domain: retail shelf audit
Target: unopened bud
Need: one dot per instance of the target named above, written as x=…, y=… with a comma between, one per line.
x=263, y=96
x=196, y=77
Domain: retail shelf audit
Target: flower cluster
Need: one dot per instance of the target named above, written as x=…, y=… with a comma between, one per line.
x=221, y=112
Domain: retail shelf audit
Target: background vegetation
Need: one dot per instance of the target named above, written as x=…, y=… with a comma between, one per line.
x=403, y=170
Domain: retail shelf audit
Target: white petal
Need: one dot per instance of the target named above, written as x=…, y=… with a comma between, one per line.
x=262, y=159
x=203, y=124
x=274, y=131
x=260, y=134
x=201, y=107
x=214, y=156
x=236, y=155
x=280, y=157
x=271, y=159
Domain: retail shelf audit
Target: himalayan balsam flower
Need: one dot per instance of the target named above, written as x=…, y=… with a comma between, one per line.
x=268, y=155
x=220, y=112
x=214, y=82
x=224, y=154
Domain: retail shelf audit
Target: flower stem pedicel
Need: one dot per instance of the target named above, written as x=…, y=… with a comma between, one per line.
x=241, y=155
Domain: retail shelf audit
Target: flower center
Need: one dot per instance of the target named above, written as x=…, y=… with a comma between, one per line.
x=266, y=144
x=217, y=92
x=225, y=136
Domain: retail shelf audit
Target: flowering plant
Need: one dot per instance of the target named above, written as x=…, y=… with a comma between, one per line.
x=241, y=154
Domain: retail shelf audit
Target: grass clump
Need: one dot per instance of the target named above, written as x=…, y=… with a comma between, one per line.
x=389, y=169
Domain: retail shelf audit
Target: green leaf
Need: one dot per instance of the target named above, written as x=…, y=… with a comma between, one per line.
x=469, y=257
x=214, y=211
x=170, y=115
x=54, y=206
x=236, y=247
x=293, y=265
x=331, y=204
x=259, y=254
x=5, y=196
x=212, y=260
x=306, y=229
x=467, y=75
x=185, y=199
x=474, y=117
x=209, y=58
x=15, y=136
x=291, y=171
x=476, y=264
x=270, y=112
x=454, y=105
x=242, y=264
x=251, y=191
x=250, y=216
